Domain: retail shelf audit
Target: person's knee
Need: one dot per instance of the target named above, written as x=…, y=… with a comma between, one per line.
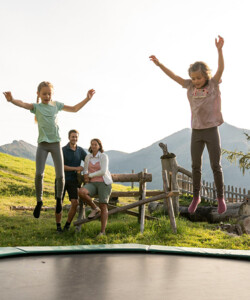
x=83, y=192
x=196, y=167
x=39, y=178
x=103, y=207
x=216, y=167
x=60, y=179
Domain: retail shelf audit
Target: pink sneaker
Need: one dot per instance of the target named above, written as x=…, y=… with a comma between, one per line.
x=193, y=206
x=221, y=205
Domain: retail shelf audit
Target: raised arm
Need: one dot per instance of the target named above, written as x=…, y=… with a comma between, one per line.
x=19, y=103
x=219, y=44
x=80, y=105
x=168, y=72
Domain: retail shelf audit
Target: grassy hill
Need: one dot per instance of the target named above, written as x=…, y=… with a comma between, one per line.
x=20, y=228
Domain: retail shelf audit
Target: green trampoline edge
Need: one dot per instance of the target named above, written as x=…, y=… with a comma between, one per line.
x=10, y=251
x=207, y=252
x=150, y=249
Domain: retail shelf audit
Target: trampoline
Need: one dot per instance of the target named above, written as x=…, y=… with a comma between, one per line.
x=126, y=271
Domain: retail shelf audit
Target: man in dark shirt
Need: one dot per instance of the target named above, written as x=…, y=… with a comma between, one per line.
x=73, y=156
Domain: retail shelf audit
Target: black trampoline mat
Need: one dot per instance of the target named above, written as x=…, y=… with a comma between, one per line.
x=109, y=276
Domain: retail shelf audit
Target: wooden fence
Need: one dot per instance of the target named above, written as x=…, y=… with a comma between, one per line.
x=208, y=190
x=142, y=178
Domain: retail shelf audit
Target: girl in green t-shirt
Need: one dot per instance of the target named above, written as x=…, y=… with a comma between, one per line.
x=49, y=138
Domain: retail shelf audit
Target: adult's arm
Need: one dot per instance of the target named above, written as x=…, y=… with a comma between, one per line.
x=69, y=168
x=104, y=161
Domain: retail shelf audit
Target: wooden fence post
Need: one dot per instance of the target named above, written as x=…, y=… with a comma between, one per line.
x=81, y=214
x=143, y=196
x=132, y=183
x=169, y=164
x=171, y=214
x=248, y=198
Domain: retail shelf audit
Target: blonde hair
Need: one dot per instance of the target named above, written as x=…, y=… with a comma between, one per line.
x=40, y=86
x=200, y=66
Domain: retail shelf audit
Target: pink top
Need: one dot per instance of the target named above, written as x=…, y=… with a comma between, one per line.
x=205, y=104
x=93, y=168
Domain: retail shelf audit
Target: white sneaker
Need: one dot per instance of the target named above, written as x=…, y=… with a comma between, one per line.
x=93, y=213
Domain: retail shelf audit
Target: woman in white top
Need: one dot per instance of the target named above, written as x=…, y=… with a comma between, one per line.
x=98, y=181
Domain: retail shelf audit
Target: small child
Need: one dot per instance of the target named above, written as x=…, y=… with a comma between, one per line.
x=48, y=139
x=204, y=97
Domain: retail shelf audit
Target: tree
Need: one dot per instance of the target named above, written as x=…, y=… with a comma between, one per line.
x=243, y=158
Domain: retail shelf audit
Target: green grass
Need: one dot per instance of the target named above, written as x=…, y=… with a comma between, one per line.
x=20, y=228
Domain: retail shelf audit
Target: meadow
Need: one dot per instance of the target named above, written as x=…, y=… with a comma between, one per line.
x=20, y=228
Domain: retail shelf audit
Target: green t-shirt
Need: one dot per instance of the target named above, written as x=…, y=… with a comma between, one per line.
x=46, y=115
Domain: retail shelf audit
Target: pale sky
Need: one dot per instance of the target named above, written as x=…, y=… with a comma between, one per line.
x=105, y=44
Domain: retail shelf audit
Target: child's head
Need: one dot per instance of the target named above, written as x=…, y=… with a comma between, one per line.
x=200, y=73
x=44, y=91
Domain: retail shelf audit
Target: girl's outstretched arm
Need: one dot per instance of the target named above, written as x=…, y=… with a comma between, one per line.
x=78, y=106
x=19, y=103
x=168, y=72
x=219, y=44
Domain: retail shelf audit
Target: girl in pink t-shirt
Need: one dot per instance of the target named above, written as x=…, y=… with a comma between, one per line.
x=204, y=97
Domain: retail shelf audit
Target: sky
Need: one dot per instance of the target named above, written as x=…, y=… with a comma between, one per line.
x=78, y=45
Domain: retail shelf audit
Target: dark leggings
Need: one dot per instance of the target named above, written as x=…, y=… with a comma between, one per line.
x=211, y=138
x=42, y=152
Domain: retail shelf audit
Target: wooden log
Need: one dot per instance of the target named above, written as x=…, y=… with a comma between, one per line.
x=132, y=177
x=209, y=213
x=134, y=193
x=244, y=222
x=128, y=212
x=147, y=177
x=44, y=208
x=184, y=171
x=129, y=206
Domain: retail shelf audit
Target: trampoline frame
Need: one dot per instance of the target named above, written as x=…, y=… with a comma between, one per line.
x=207, y=252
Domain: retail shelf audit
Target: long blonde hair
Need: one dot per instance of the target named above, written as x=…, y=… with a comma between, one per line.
x=40, y=86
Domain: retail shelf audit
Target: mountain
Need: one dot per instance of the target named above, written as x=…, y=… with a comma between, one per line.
x=232, y=138
x=23, y=149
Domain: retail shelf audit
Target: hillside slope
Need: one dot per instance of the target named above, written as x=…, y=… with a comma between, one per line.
x=232, y=138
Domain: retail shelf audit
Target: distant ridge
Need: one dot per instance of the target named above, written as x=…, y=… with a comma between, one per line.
x=22, y=149
x=232, y=138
